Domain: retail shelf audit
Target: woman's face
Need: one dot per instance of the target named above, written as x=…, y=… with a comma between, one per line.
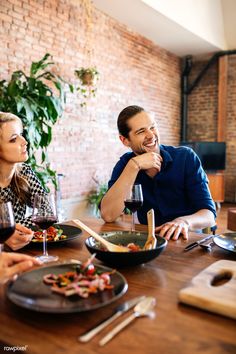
x=13, y=147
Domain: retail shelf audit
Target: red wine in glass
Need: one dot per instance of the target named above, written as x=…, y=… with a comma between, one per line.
x=44, y=222
x=133, y=205
x=5, y=232
x=7, y=222
x=134, y=201
x=45, y=215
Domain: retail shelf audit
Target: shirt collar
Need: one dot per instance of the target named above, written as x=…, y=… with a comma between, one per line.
x=165, y=155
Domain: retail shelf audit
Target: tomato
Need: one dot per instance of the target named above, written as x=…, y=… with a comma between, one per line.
x=90, y=270
x=133, y=247
x=51, y=229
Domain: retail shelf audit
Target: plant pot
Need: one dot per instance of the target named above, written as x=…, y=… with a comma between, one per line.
x=87, y=79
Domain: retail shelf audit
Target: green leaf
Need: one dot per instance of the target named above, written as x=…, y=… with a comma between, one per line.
x=19, y=104
x=46, y=138
x=95, y=197
x=29, y=113
x=71, y=87
x=39, y=106
x=40, y=65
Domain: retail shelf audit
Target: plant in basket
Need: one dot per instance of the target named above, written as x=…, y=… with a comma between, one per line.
x=87, y=83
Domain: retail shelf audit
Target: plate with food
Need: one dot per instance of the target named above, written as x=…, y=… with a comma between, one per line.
x=56, y=234
x=67, y=288
x=135, y=241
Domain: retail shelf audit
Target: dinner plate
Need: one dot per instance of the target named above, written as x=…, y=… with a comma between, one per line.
x=72, y=232
x=226, y=240
x=29, y=291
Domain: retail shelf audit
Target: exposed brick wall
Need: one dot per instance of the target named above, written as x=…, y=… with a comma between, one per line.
x=132, y=71
x=202, y=104
x=202, y=115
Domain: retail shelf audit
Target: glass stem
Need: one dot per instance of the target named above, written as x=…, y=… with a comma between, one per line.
x=45, y=252
x=133, y=224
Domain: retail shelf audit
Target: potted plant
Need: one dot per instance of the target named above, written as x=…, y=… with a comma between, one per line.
x=95, y=196
x=38, y=99
x=87, y=81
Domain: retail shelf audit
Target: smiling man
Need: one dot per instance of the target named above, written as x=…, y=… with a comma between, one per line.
x=173, y=181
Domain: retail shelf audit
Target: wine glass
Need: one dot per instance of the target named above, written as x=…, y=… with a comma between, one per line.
x=45, y=215
x=7, y=223
x=134, y=201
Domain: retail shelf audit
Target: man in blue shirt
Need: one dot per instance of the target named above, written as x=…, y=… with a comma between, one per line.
x=173, y=181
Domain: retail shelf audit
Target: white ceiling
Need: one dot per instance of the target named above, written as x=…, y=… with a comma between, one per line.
x=174, y=36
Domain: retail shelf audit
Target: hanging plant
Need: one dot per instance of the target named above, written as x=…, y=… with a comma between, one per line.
x=39, y=106
x=87, y=83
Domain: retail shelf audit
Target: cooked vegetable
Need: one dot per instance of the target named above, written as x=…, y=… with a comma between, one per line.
x=85, y=280
x=53, y=234
x=133, y=247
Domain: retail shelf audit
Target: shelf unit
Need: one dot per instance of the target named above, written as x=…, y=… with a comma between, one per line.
x=217, y=186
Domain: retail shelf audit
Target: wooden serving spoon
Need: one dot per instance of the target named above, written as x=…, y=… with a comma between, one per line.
x=108, y=245
x=151, y=239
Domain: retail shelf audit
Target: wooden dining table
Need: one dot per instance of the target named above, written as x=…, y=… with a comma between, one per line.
x=176, y=328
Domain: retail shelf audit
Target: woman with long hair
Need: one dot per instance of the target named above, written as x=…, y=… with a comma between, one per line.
x=18, y=182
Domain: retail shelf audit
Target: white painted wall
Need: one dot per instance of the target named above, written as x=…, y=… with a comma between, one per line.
x=202, y=17
x=229, y=15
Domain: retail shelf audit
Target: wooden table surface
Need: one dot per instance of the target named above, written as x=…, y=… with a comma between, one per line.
x=176, y=328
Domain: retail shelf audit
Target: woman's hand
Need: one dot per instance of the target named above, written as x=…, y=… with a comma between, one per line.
x=21, y=237
x=173, y=229
x=12, y=264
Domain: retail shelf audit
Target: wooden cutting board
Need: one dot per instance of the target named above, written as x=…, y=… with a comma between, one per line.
x=205, y=292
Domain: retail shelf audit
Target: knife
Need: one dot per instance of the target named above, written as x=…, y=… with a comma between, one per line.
x=117, y=313
x=196, y=243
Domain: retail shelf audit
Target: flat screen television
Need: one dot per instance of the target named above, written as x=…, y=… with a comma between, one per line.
x=211, y=154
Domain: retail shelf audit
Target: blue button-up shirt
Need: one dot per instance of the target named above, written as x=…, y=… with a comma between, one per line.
x=180, y=188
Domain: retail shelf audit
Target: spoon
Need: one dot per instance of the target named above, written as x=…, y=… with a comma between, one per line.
x=143, y=308
x=108, y=245
x=151, y=239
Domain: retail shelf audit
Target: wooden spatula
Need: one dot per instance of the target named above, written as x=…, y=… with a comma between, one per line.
x=151, y=239
x=108, y=245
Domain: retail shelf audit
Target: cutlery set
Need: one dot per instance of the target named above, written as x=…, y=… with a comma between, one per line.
x=207, y=246
x=201, y=243
x=143, y=306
